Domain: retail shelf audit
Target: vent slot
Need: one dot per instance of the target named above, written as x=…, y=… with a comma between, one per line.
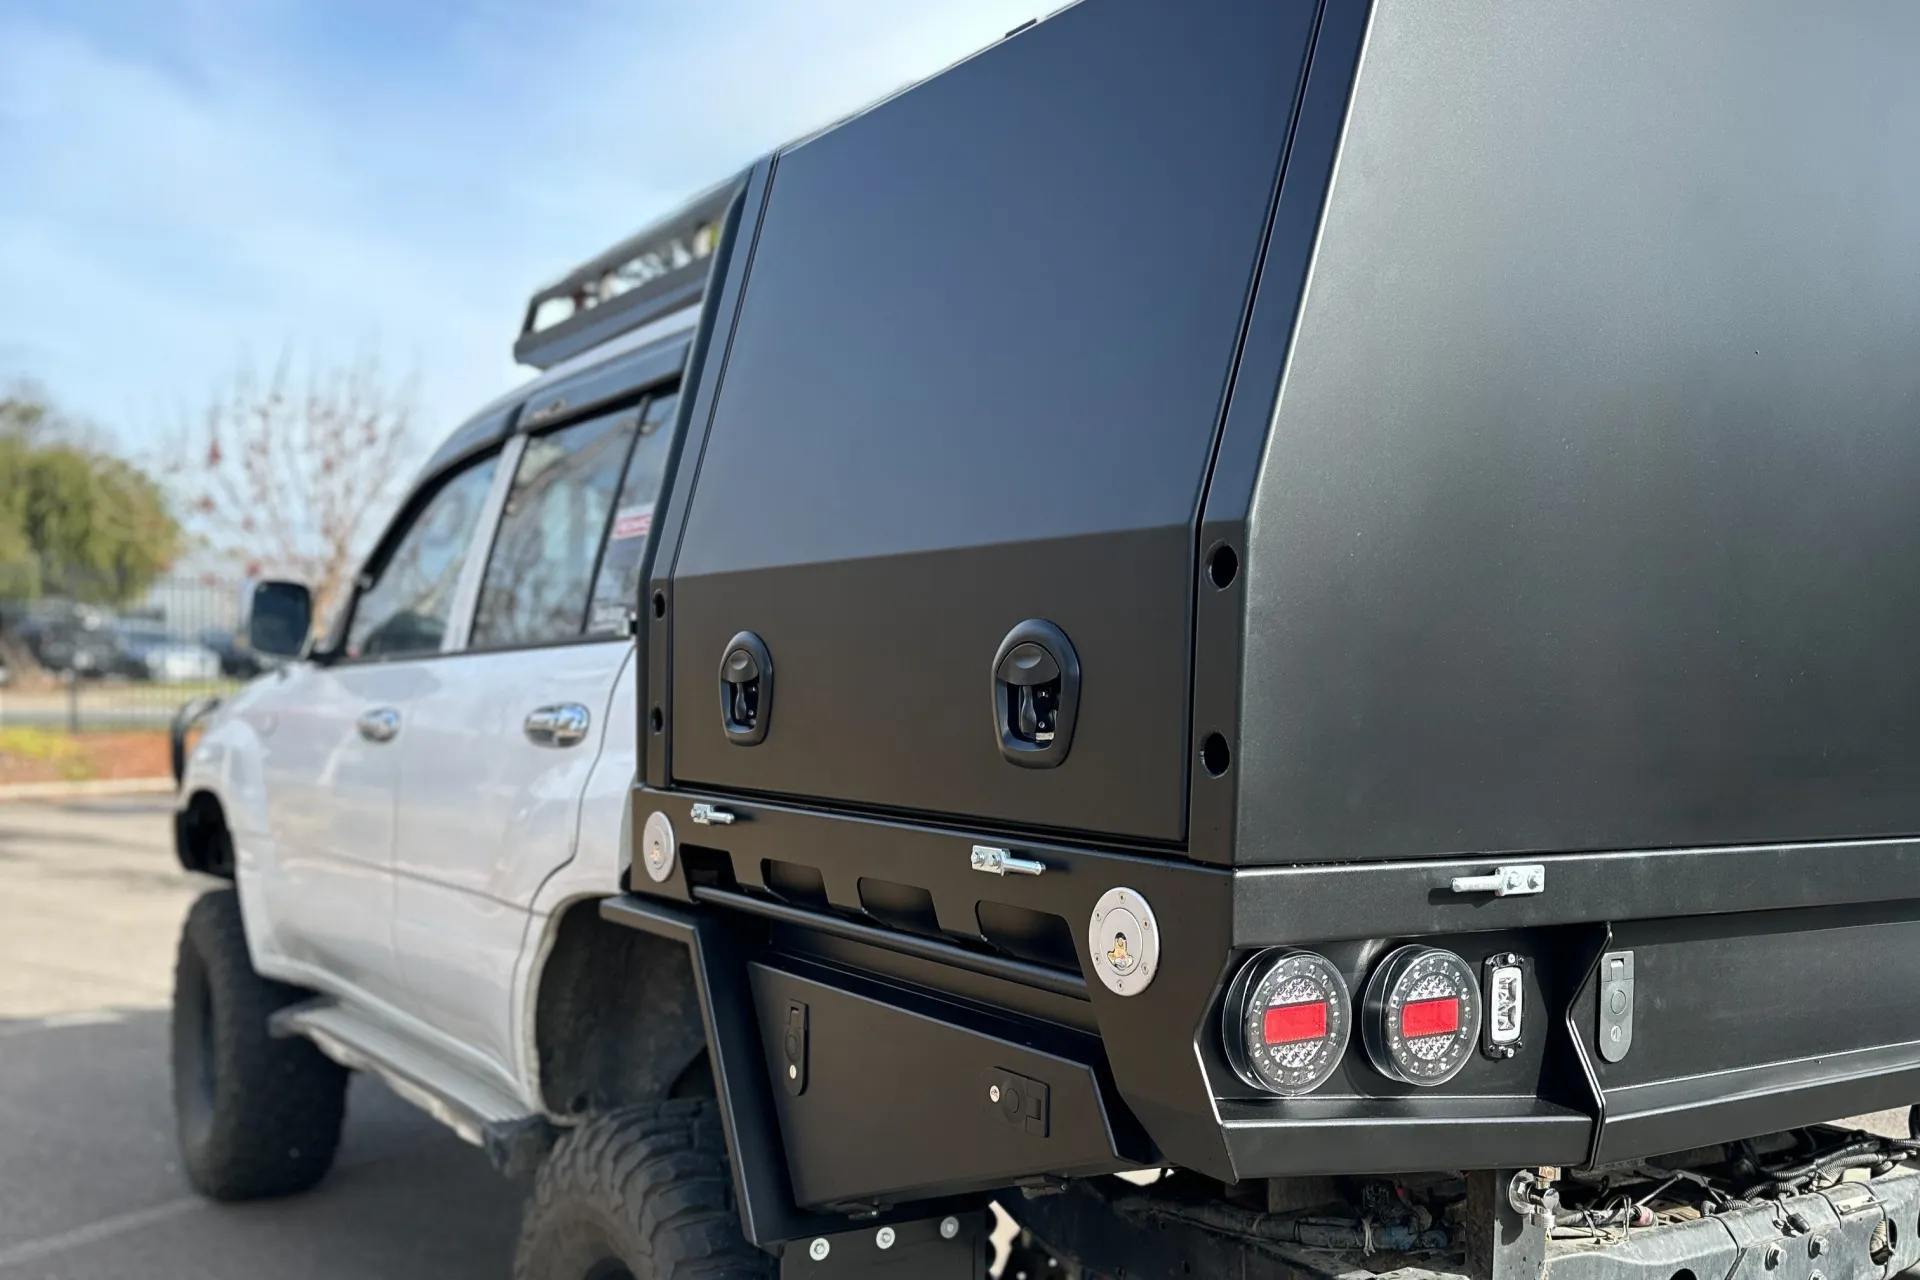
x=900, y=906
x=708, y=868
x=1039, y=937
x=792, y=882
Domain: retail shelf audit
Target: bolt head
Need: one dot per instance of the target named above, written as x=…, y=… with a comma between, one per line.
x=949, y=1228
x=993, y=1092
x=1775, y=1256
x=1816, y=1245
x=819, y=1249
x=884, y=1237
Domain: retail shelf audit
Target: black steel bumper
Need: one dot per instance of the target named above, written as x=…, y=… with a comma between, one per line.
x=1773, y=990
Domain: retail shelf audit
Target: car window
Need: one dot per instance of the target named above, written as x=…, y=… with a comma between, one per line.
x=405, y=610
x=535, y=589
x=617, y=587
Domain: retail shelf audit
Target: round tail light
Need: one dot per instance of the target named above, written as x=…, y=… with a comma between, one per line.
x=1420, y=1018
x=1288, y=1019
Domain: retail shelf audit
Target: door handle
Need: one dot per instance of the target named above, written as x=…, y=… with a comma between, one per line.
x=380, y=724
x=562, y=725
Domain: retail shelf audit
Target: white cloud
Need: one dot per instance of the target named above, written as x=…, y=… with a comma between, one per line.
x=267, y=183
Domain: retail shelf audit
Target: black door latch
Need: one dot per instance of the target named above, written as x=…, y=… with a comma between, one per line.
x=1036, y=694
x=746, y=689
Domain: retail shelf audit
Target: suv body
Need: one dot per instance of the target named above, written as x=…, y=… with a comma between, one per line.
x=406, y=817
x=1429, y=516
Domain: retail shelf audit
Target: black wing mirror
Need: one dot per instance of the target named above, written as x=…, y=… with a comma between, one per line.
x=278, y=619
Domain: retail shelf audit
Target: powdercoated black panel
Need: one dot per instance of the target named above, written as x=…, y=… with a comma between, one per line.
x=975, y=378
x=1748, y=1023
x=1587, y=518
x=895, y=1103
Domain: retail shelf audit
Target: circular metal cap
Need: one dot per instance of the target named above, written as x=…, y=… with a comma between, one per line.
x=1124, y=940
x=657, y=847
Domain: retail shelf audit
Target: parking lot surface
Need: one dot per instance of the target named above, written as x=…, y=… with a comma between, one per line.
x=90, y=905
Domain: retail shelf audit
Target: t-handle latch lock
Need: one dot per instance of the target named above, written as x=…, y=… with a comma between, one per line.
x=1036, y=693
x=746, y=689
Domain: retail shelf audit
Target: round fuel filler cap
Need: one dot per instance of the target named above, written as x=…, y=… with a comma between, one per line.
x=1124, y=940
x=657, y=847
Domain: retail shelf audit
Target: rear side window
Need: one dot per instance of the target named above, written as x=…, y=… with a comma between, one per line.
x=405, y=610
x=616, y=588
x=535, y=589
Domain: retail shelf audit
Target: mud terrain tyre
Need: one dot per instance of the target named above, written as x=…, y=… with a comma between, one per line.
x=257, y=1117
x=641, y=1193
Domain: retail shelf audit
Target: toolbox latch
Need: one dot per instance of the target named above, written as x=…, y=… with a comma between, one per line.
x=1036, y=694
x=1616, y=1004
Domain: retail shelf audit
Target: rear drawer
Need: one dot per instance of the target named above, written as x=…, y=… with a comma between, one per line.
x=882, y=1093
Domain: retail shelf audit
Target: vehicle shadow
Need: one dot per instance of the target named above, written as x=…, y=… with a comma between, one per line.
x=90, y=1188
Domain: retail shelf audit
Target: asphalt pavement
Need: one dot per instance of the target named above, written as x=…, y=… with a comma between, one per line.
x=90, y=906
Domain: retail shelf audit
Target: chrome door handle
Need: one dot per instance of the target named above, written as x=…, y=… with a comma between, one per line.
x=380, y=724
x=562, y=725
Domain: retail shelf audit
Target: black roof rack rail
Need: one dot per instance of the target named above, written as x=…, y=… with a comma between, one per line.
x=646, y=276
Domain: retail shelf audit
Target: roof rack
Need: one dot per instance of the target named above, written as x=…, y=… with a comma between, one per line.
x=644, y=277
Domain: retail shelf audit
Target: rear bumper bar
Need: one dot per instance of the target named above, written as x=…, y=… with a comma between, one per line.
x=1772, y=992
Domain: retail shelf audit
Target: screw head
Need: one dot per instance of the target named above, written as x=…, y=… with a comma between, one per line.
x=1816, y=1245
x=993, y=1092
x=884, y=1237
x=819, y=1249
x=949, y=1228
x=1775, y=1256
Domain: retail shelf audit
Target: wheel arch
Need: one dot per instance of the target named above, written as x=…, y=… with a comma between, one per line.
x=616, y=1017
x=202, y=840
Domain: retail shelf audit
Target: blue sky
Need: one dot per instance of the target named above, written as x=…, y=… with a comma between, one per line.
x=186, y=185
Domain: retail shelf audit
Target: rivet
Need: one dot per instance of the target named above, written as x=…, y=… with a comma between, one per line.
x=949, y=1228
x=993, y=1092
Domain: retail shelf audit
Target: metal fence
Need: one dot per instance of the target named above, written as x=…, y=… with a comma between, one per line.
x=68, y=665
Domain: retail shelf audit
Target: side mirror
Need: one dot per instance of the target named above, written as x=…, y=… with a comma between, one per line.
x=278, y=619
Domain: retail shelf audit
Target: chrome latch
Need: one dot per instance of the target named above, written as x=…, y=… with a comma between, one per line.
x=1505, y=882
x=1002, y=862
x=705, y=815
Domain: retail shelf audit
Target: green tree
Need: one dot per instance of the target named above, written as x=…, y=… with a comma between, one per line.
x=74, y=520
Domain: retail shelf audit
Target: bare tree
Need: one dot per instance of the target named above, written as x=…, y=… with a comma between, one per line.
x=291, y=475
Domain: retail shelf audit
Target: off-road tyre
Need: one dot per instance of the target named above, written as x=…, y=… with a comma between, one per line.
x=640, y=1193
x=257, y=1116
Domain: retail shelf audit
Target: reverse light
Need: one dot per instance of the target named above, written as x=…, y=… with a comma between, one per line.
x=1505, y=984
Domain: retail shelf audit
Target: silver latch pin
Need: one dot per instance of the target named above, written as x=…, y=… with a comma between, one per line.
x=1505, y=882
x=706, y=815
x=1002, y=862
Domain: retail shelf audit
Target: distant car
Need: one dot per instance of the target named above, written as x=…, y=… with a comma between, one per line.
x=71, y=646
x=149, y=653
x=236, y=660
